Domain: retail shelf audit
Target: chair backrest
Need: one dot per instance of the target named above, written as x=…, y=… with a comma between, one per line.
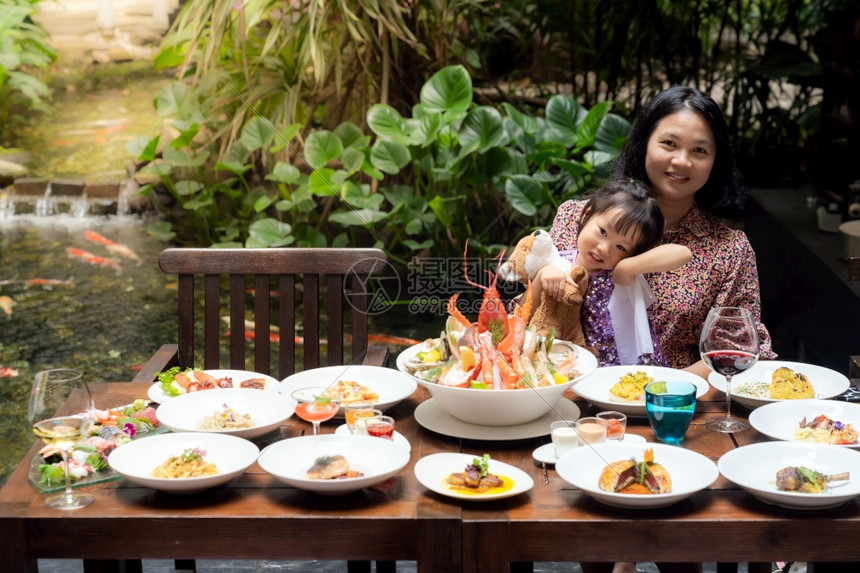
x=285, y=278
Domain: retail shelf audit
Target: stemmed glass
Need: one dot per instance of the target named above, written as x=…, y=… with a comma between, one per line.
x=61, y=413
x=729, y=345
x=312, y=407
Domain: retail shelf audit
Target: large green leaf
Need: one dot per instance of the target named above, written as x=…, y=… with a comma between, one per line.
x=564, y=115
x=527, y=123
x=325, y=182
x=589, y=126
x=143, y=147
x=523, y=193
x=448, y=90
x=283, y=137
x=284, y=173
x=387, y=123
x=358, y=217
x=437, y=205
x=351, y=135
x=269, y=233
x=389, y=157
x=257, y=133
x=612, y=133
x=482, y=129
x=321, y=147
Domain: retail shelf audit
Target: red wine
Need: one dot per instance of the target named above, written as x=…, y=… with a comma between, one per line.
x=729, y=362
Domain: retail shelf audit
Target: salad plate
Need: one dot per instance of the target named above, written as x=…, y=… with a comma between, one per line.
x=689, y=471
x=47, y=476
x=827, y=383
x=780, y=420
x=430, y=415
x=390, y=385
x=158, y=394
x=432, y=472
x=754, y=468
x=596, y=387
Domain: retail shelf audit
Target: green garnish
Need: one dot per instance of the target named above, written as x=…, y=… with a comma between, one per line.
x=322, y=399
x=483, y=464
x=812, y=477
x=190, y=455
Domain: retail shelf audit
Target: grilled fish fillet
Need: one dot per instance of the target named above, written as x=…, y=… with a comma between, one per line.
x=328, y=467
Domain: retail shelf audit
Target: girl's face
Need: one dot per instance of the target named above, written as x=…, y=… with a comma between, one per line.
x=680, y=155
x=600, y=246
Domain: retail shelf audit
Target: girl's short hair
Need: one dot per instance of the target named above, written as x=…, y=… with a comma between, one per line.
x=724, y=190
x=639, y=211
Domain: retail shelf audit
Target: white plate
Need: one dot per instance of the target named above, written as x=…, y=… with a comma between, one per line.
x=778, y=420
x=391, y=385
x=429, y=414
x=754, y=468
x=156, y=394
x=596, y=387
x=343, y=430
x=501, y=407
x=826, y=383
x=289, y=461
x=432, y=472
x=136, y=460
x=267, y=410
x=689, y=471
x=546, y=453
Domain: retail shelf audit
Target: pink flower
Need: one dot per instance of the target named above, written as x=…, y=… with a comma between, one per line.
x=129, y=429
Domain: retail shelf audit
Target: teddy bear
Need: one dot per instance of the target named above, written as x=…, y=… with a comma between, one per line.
x=532, y=253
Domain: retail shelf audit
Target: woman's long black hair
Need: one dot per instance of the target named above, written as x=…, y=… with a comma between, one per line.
x=724, y=191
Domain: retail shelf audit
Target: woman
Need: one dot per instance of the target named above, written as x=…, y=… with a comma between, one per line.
x=680, y=147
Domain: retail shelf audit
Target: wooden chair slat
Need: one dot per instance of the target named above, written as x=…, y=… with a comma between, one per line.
x=334, y=317
x=211, y=321
x=236, y=341
x=287, y=325
x=185, y=315
x=358, y=303
x=310, y=321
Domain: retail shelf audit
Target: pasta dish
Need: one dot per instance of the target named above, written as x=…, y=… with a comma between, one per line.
x=226, y=419
x=188, y=465
x=346, y=391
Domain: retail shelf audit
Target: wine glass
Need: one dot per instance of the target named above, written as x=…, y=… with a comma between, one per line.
x=313, y=408
x=729, y=345
x=61, y=413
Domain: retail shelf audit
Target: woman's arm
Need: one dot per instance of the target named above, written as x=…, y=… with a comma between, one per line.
x=661, y=258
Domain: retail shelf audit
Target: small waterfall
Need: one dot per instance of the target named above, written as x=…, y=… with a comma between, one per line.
x=7, y=204
x=45, y=203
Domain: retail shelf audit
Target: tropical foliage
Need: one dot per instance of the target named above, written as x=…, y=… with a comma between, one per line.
x=452, y=170
x=24, y=52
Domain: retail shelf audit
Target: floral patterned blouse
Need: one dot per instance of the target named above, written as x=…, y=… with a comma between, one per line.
x=722, y=272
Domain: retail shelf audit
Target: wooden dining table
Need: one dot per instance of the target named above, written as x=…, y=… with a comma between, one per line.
x=258, y=517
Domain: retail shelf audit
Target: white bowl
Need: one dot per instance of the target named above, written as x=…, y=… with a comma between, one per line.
x=156, y=394
x=500, y=407
x=378, y=459
x=689, y=471
x=596, y=387
x=268, y=410
x=826, y=383
x=136, y=460
x=778, y=420
x=391, y=385
x=754, y=468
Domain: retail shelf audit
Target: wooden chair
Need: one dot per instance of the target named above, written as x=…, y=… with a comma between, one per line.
x=281, y=277
x=276, y=277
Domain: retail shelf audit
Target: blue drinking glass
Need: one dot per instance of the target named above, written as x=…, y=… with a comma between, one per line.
x=670, y=407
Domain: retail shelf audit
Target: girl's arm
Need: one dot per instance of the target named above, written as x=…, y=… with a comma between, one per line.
x=661, y=258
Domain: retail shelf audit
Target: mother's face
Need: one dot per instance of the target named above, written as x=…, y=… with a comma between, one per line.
x=680, y=155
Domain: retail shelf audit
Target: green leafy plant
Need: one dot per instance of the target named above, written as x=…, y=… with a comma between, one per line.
x=23, y=51
x=452, y=171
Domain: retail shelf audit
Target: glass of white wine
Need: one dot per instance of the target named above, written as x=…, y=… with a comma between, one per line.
x=61, y=413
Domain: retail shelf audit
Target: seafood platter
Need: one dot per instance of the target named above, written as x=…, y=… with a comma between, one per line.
x=495, y=371
x=177, y=382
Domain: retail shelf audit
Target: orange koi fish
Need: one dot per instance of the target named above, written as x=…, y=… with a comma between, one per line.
x=49, y=282
x=93, y=259
x=96, y=238
x=6, y=372
x=6, y=304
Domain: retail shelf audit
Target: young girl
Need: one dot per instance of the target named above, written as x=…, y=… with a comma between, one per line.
x=618, y=241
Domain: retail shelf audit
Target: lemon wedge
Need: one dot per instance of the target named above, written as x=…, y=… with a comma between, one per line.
x=432, y=356
x=559, y=378
x=467, y=357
